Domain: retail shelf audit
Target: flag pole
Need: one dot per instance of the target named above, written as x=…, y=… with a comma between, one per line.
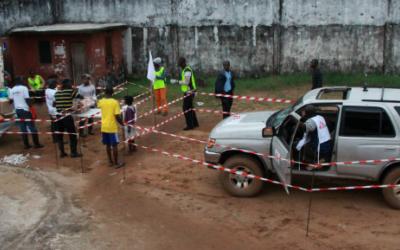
x=153, y=104
x=151, y=75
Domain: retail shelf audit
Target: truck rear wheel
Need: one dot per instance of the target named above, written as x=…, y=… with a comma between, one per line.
x=242, y=186
x=392, y=195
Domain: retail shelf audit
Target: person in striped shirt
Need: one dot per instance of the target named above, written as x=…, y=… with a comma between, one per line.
x=64, y=100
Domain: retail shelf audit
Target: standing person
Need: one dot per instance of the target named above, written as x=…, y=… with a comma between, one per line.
x=225, y=85
x=50, y=98
x=65, y=122
x=87, y=90
x=188, y=88
x=316, y=74
x=317, y=139
x=36, y=84
x=19, y=96
x=129, y=116
x=110, y=117
x=159, y=88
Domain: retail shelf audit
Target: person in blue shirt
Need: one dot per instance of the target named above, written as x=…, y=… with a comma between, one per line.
x=225, y=85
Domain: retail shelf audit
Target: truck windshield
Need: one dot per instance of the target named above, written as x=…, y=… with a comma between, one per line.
x=278, y=117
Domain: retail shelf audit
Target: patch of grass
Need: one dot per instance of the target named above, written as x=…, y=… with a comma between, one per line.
x=277, y=83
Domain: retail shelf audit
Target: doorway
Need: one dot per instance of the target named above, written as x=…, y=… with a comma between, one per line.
x=78, y=61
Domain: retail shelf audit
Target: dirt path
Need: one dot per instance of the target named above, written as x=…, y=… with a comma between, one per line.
x=164, y=203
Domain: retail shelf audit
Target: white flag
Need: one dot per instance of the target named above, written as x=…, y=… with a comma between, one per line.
x=151, y=73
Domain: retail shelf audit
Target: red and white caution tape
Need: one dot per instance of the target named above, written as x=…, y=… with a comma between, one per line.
x=316, y=166
x=26, y=120
x=142, y=94
x=139, y=85
x=252, y=176
x=39, y=132
x=249, y=98
x=213, y=111
x=166, y=105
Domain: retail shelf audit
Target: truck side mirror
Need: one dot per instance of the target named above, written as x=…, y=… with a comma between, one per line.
x=267, y=132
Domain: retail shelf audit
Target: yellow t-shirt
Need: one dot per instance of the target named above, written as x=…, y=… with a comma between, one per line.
x=109, y=109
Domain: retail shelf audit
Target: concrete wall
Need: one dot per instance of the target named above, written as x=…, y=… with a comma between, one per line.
x=258, y=36
x=18, y=13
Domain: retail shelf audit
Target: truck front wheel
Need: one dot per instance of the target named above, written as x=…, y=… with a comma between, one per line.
x=238, y=185
x=392, y=195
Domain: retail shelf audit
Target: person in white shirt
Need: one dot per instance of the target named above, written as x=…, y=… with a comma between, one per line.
x=87, y=90
x=317, y=139
x=49, y=94
x=19, y=96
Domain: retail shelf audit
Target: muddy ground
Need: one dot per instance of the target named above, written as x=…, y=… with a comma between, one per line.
x=158, y=202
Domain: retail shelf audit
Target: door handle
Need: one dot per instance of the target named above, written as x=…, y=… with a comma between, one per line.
x=391, y=148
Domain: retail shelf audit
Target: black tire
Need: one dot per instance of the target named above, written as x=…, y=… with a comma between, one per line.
x=231, y=185
x=391, y=195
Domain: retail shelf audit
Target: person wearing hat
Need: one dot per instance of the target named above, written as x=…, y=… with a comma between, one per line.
x=159, y=87
x=86, y=90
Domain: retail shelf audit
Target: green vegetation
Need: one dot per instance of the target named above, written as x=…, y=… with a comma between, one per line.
x=281, y=86
x=281, y=82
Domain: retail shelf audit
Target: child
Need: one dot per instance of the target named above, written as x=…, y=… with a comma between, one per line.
x=129, y=116
x=110, y=117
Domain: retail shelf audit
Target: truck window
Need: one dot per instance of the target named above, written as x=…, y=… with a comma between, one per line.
x=366, y=121
x=287, y=129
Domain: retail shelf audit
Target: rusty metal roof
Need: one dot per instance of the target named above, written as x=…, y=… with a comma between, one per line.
x=68, y=27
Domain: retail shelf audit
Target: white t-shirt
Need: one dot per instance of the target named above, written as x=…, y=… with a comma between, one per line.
x=50, y=101
x=87, y=91
x=18, y=94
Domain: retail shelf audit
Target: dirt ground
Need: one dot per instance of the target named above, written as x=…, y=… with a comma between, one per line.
x=158, y=202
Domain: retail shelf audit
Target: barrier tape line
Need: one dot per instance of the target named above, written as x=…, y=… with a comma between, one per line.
x=142, y=94
x=147, y=113
x=39, y=132
x=249, y=98
x=139, y=85
x=252, y=176
x=316, y=166
x=202, y=110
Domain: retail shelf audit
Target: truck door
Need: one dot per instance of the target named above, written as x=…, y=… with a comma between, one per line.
x=281, y=149
x=366, y=133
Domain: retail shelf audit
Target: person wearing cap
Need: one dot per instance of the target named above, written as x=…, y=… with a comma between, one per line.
x=86, y=90
x=187, y=82
x=159, y=88
x=316, y=74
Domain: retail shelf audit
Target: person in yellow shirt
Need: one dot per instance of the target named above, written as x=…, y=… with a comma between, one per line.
x=110, y=117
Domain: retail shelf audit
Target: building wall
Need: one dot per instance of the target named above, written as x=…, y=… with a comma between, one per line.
x=25, y=54
x=258, y=36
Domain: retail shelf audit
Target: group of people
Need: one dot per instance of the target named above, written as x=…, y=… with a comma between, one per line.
x=61, y=103
x=224, y=86
x=60, y=98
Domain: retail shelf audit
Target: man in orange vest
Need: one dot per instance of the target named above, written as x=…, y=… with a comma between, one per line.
x=159, y=87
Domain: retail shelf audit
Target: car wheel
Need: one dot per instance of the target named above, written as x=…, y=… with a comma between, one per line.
x=392, y=195
x=238, y=185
